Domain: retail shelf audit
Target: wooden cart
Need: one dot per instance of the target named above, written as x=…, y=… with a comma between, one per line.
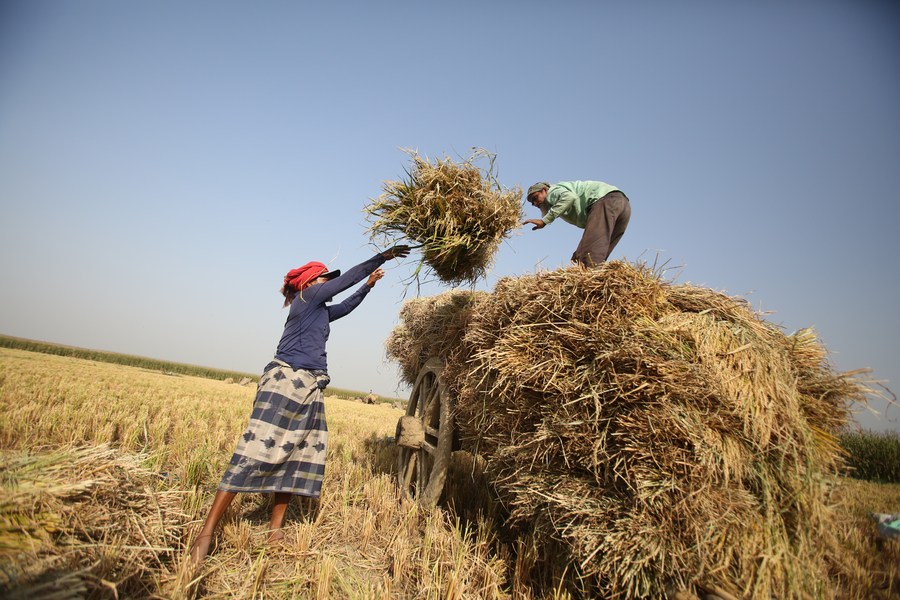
x=425, y=437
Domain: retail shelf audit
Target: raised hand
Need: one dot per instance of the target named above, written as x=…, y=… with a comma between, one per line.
x=399, y=251
x=375, y=276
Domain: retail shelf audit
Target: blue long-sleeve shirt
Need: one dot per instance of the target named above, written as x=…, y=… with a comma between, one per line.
x=307, y=327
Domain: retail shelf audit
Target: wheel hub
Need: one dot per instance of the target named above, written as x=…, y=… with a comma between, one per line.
x=410, y=433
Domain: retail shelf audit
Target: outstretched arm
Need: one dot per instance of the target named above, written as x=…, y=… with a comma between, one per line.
x=342, y=309
x=560, y=204
x=348, y=279
x=356, y=274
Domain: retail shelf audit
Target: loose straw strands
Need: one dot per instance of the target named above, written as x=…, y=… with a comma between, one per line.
x=72, y=521
x=429, y=326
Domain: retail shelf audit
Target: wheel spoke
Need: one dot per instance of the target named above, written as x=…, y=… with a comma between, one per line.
x=423, y=474
x=426, y=398
x=414, y=406
x=410, y=467
x=431, y=409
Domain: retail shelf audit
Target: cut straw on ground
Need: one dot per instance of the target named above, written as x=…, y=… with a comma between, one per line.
x=79, y=522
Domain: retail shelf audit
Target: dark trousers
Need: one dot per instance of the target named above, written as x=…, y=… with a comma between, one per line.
x=606, y=223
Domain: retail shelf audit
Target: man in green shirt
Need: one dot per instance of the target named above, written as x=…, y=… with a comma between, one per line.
x=602, y=210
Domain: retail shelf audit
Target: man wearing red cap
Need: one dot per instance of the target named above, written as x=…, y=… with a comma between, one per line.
x=283, y=447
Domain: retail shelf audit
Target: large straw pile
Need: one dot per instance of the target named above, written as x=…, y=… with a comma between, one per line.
x=665, y=435
x=83, y=523
x=457, y=212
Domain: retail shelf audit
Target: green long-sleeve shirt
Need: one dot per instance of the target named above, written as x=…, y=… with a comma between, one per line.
x=569, y=200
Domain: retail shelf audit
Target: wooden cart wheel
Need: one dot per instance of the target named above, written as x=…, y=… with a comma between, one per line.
x=425, y=437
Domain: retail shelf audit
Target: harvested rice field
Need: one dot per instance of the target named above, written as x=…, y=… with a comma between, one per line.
x=107, y=471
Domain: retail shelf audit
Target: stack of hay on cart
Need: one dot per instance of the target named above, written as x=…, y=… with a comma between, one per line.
x=430, y=326
x=665, y=436
x=456, y=212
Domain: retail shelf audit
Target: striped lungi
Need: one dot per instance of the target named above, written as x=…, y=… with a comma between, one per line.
x=283, y=448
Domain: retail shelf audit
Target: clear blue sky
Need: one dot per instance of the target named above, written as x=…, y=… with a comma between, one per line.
x=163, y=164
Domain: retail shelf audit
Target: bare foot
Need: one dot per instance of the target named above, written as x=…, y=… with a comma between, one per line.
x=276, y=536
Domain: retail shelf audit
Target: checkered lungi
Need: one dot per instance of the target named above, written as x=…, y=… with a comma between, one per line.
x=283, y=448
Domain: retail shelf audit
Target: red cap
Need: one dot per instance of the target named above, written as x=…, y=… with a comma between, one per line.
x=301, y=277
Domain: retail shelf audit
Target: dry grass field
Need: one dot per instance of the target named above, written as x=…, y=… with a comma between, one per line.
x=107, y=471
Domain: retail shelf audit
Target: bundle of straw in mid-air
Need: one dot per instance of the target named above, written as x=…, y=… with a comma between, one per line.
x=665, y=436
x=455, y=211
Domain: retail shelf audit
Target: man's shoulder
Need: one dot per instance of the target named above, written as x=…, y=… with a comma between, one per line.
x=564, y=184
x=586, y=188
x=562, y=187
